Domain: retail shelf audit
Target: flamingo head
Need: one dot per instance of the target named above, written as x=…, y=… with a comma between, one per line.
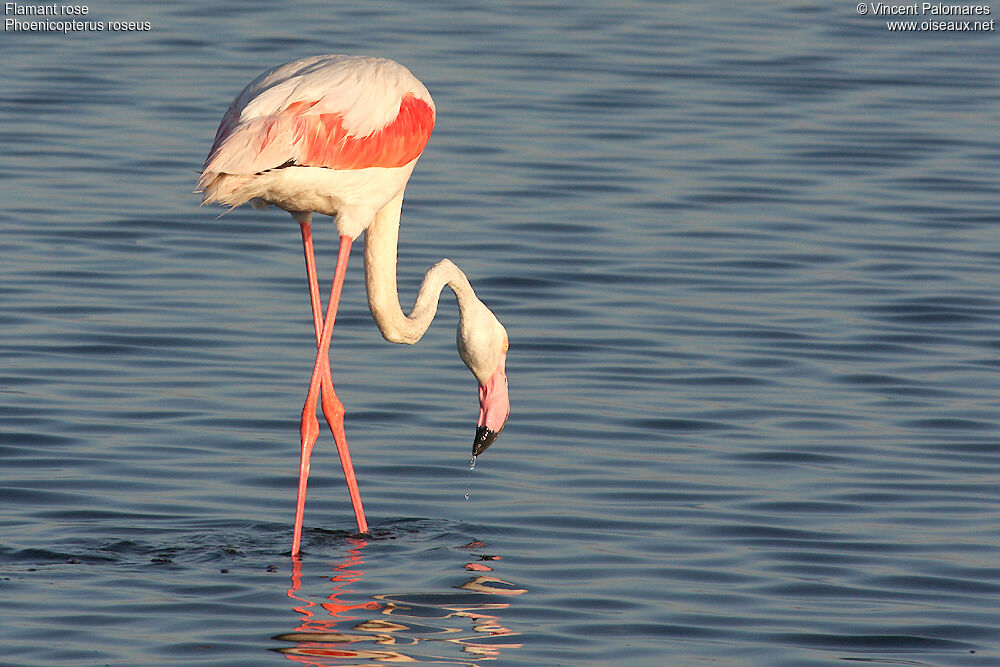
x=483, y=344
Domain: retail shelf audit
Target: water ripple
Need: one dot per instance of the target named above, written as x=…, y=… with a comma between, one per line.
x=747, y=263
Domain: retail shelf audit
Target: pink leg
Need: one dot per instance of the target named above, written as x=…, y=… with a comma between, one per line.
x=333, y=409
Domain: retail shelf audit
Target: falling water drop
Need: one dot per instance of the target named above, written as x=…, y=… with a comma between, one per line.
x=472, y=466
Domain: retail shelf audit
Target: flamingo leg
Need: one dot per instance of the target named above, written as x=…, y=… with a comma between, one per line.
x=333, y=409
x=322, y=383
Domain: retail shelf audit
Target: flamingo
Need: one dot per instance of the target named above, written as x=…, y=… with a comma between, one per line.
x=339, y=135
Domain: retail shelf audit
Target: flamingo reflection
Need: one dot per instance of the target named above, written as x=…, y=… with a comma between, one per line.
x=459, y=628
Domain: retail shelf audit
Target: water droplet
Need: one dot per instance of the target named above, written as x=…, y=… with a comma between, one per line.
x=472, y=466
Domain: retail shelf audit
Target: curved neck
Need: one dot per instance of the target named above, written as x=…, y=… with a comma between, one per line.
x=381, y=241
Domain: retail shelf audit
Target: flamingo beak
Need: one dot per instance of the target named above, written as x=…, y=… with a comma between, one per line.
x=484, y=438
x=494, y=407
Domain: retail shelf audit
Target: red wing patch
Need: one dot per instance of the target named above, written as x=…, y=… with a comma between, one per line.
x=323, y=142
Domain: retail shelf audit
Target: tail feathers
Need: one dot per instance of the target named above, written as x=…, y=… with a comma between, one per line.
x=228, y=189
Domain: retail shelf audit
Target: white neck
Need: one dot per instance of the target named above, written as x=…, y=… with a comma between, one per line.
x=381, y=240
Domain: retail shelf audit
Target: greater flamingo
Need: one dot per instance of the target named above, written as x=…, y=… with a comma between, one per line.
x=339, y=136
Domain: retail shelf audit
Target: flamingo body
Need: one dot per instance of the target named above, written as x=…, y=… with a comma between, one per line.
x=339, y=136
x=336, y=135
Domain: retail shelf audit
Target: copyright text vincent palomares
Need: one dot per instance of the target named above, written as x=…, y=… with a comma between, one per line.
x=931, y=16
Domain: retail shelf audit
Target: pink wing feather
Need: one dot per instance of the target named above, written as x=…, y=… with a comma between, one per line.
x=309, y=139
x=289, y=117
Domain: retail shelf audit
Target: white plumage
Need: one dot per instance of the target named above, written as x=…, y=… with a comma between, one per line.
x=286, y=116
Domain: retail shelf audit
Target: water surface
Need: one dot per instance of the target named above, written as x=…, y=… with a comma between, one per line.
x=747, y=257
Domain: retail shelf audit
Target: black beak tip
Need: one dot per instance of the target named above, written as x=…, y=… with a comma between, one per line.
x=484, y=438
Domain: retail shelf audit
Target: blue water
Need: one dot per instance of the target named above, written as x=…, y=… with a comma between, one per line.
x=747, y=254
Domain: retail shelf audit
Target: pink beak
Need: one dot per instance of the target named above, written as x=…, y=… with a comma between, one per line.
x=494, y=407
